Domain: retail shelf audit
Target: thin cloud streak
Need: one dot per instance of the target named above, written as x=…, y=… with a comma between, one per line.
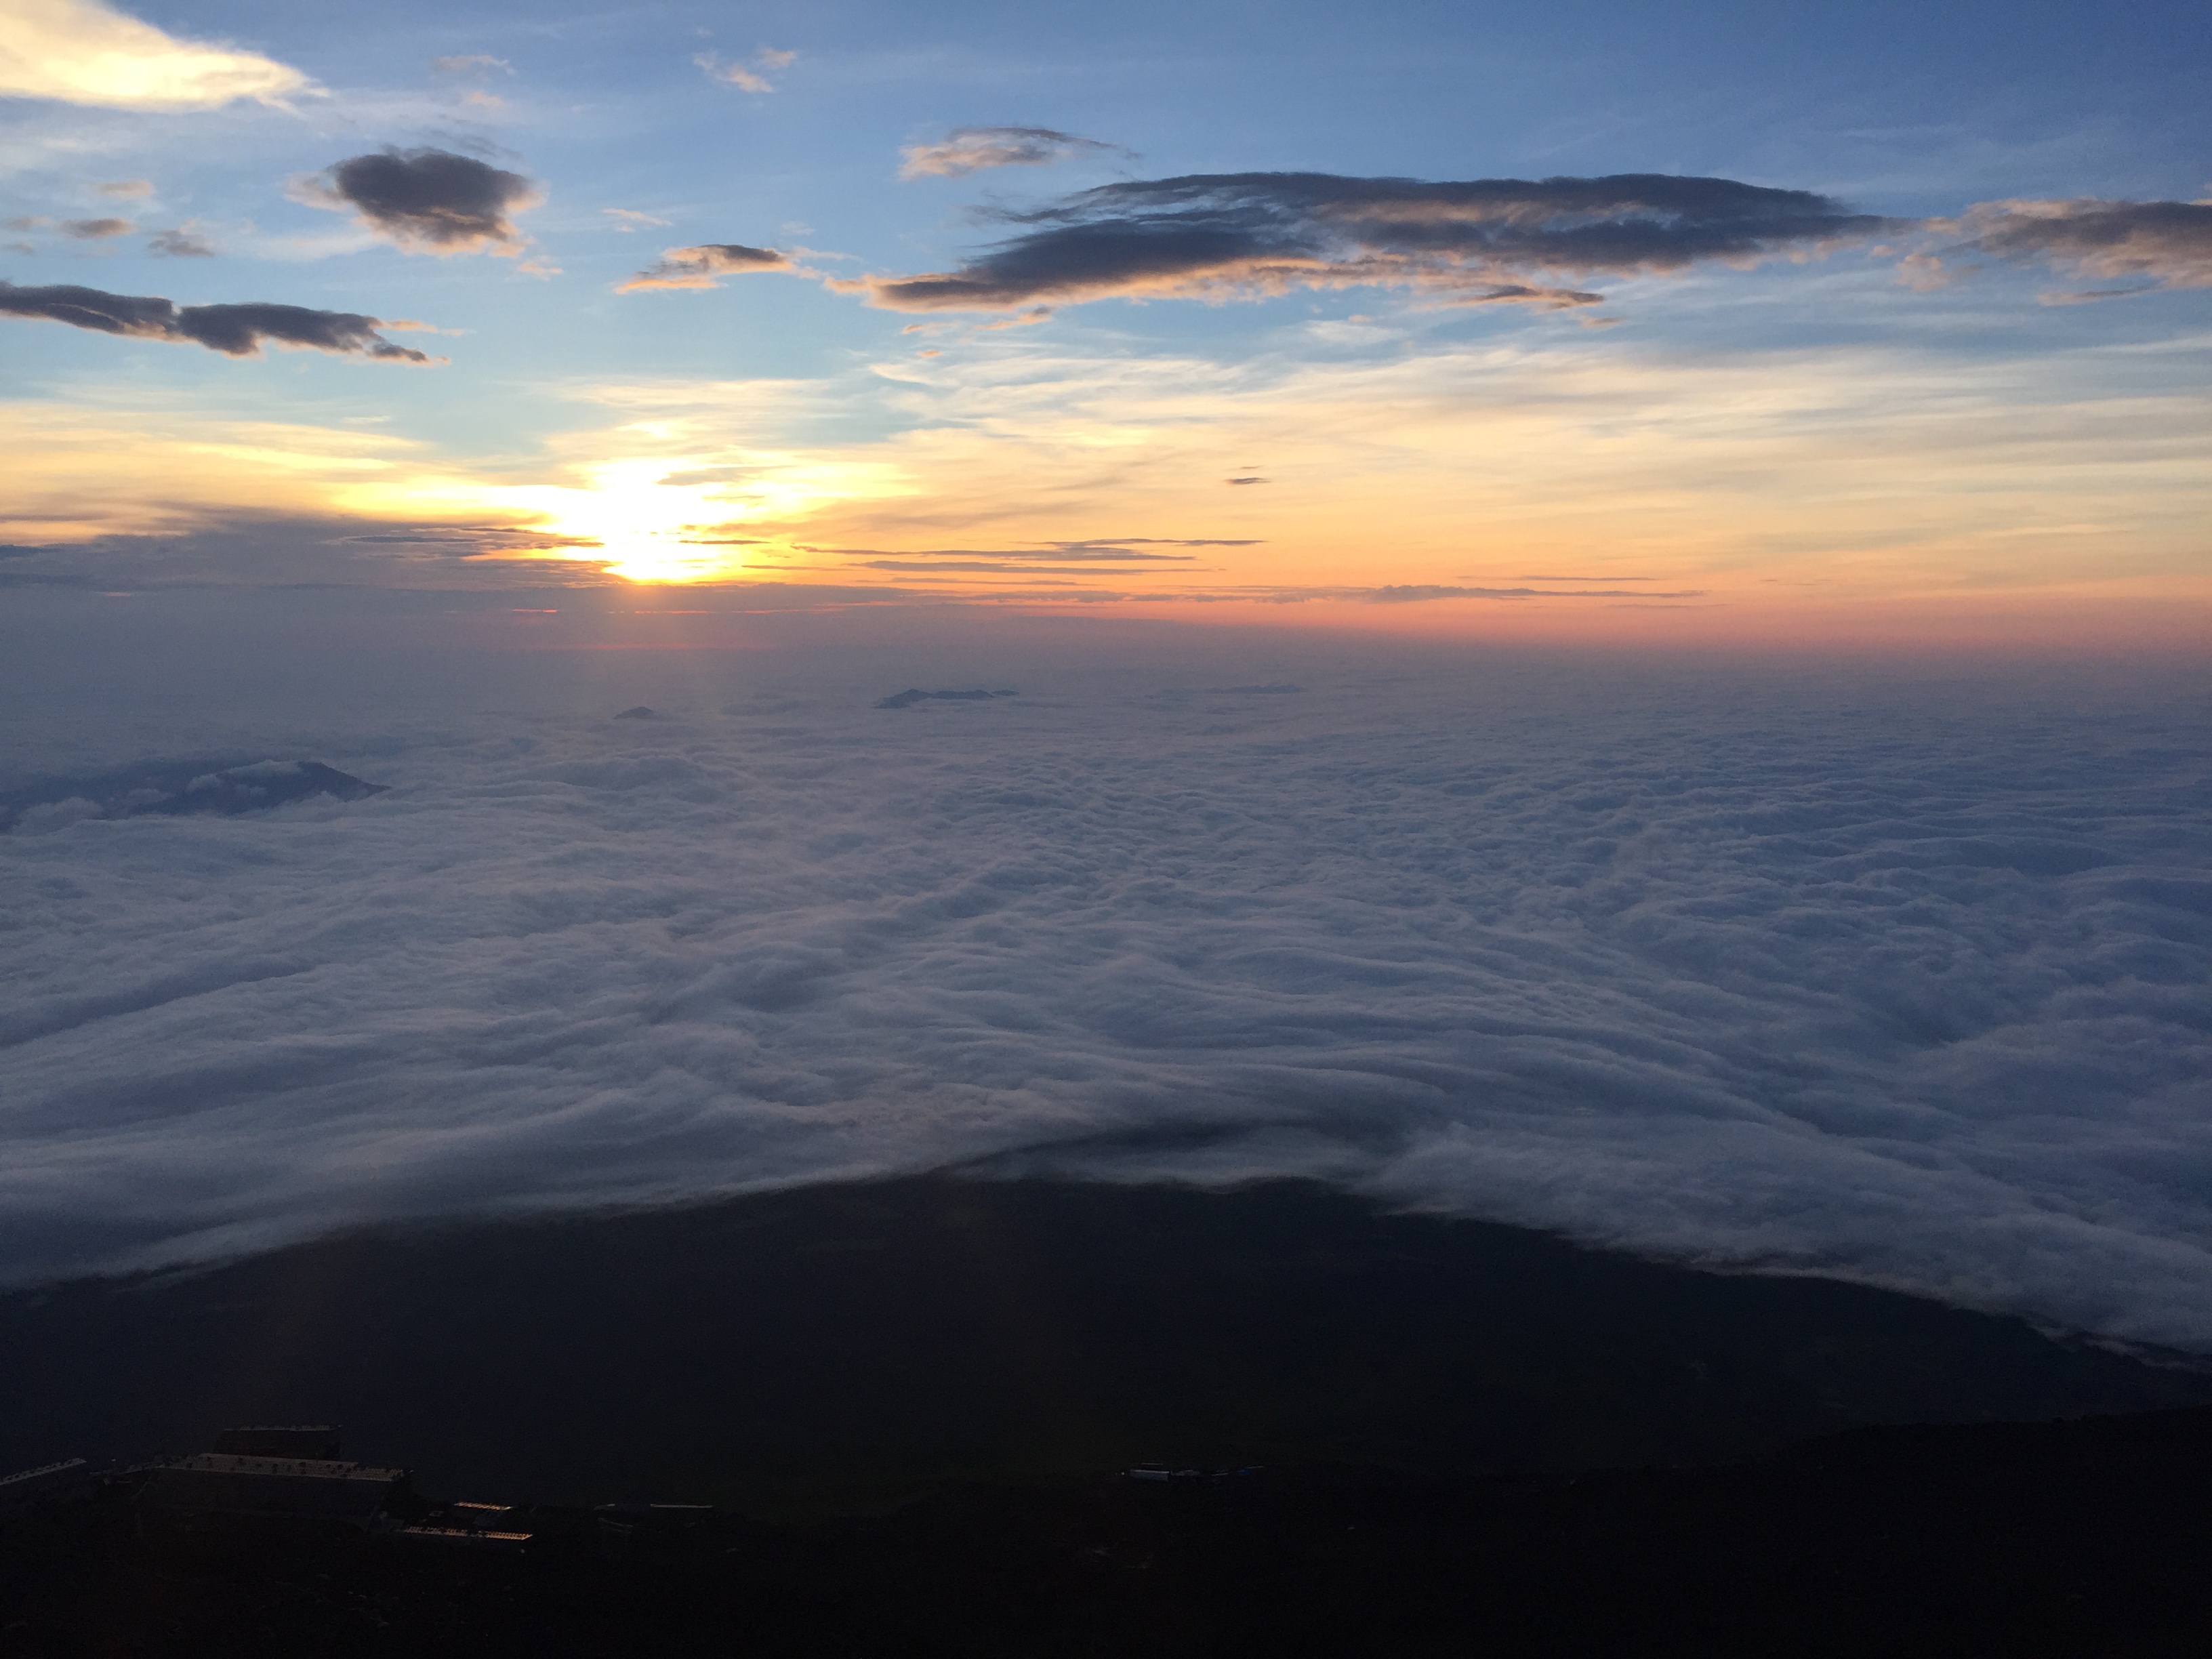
x=973, y=149
x=732, y=73
x=698, y=267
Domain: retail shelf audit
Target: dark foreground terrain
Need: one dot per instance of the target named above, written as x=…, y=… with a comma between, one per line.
x=909, y=1400
x=848, y=1347
x=2083, y=1538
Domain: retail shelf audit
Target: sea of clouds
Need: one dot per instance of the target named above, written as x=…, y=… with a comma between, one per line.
x=1894, y=977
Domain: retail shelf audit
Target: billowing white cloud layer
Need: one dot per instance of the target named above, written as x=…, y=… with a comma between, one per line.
x=1904, y=984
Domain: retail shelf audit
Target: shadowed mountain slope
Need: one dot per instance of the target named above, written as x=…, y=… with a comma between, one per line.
x=838, y=1344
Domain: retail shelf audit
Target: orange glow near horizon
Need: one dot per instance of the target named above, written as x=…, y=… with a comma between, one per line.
x=639, y=525
x=1645, y=498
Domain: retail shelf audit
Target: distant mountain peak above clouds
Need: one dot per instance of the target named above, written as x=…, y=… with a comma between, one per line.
x=173, y=789
x=913, y=695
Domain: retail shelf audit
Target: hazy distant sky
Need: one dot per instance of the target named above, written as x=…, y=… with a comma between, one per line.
x=1668, y=321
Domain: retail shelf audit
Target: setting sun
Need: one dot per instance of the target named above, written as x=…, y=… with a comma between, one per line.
x=641, y=522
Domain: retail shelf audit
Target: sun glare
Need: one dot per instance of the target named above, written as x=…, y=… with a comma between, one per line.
x=685, y=519
x=647, y=528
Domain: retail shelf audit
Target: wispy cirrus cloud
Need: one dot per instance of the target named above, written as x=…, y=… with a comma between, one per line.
x=427, y=200
x=472, y=70
x=235, y=330
x=972, y=149
x=180, y=242
x=1223, y=236
x=701, y=265
x=77, y=230
x=83, y=51
x=2150, y=245
x=746, y=77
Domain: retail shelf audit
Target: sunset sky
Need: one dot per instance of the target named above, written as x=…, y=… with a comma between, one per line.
x=1587, y=614
x=1710, y=320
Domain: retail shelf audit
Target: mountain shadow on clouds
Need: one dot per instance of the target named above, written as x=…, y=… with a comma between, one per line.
x=174, y=789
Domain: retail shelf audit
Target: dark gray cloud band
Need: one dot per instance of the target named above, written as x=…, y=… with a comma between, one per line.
x=427, y=200
x=1485, y=240
x=236, y=331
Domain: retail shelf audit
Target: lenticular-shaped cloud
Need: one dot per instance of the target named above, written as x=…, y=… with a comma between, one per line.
x=1485, y=240
x=1905, y=985
x=427, y=200
x=972, y=149
x=236, y=331
x=698, y=266
x=2156, y=245
x=83, y=51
